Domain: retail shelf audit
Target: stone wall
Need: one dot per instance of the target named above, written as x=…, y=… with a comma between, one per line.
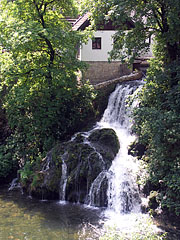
x=98, y=72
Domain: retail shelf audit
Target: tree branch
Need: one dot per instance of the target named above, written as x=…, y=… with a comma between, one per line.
x=48, y=42
x=41, y=4
x=157, y=19
x=39, y=13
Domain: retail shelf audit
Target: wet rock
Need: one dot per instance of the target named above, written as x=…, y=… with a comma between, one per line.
x=136, y=149
x=45, y=183
x=106, y=141
x=153, y=203
x=84, y=159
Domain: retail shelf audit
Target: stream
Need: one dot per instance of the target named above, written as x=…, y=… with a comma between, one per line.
x=24, y=218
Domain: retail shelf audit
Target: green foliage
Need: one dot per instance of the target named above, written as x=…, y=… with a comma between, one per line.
x=38, y=75
x=157, y=19
x=26, y=173
x=157, y=123
x=8, y=162
x=41, y=116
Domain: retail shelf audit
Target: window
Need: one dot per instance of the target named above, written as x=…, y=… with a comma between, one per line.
x=96, y=43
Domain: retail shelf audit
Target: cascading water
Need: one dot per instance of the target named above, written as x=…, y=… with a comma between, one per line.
x=119, y=180
x=63, y=181
x=123, y=196
x=124, y=202
x=94, y=193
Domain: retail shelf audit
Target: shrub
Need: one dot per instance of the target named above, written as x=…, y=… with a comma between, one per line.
x=157, y=123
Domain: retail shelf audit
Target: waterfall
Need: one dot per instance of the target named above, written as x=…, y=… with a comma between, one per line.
x=89, y=169
x=123, y=212
x=94, y=193
x=117, y=113
x=63, y=181
x=123, y=194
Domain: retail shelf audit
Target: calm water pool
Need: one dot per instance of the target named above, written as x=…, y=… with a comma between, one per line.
x=22, y=218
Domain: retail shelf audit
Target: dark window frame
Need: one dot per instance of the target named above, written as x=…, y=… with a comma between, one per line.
x=96, y=43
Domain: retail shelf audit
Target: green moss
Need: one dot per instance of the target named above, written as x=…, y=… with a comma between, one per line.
x=57, y=151
x=84, y=163
x=106, y=138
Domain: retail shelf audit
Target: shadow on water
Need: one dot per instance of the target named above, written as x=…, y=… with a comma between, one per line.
x=29, y=219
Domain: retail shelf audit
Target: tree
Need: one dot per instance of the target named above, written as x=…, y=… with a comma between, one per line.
x=159, y=19
x=38, y=74
x=36, y=37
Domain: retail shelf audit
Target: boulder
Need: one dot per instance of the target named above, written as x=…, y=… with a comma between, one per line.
x=106, y=142
x=70, y=168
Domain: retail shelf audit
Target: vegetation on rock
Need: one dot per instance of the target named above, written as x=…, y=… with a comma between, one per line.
x=106, y=141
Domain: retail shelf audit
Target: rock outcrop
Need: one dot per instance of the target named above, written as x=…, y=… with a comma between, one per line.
x=77, y=171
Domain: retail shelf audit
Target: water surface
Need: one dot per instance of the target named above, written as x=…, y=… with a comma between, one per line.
x=23, y=218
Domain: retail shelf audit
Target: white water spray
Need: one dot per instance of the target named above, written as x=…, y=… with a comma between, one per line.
x=63, y=181
x=123, y=196
x=124, y=202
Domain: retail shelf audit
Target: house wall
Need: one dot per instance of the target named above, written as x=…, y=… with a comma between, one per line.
x=99, y=69
x=88, y=54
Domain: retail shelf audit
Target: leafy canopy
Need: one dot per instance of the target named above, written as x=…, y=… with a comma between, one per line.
x=151, y=18
x=157, y=123
x=38, y=75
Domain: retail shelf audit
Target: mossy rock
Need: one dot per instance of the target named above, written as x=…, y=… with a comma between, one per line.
x=83, y=165
x=136, y=149
x=105, y=139
x=153, y=202
x=84, y=161
x=45, y=184
x=101, y=101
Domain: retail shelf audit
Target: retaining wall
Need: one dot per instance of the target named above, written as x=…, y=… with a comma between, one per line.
x=98, y=72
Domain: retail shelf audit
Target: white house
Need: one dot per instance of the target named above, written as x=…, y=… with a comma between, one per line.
x=95, y=52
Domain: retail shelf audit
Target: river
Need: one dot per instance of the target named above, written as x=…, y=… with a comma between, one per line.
x=23, y=218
